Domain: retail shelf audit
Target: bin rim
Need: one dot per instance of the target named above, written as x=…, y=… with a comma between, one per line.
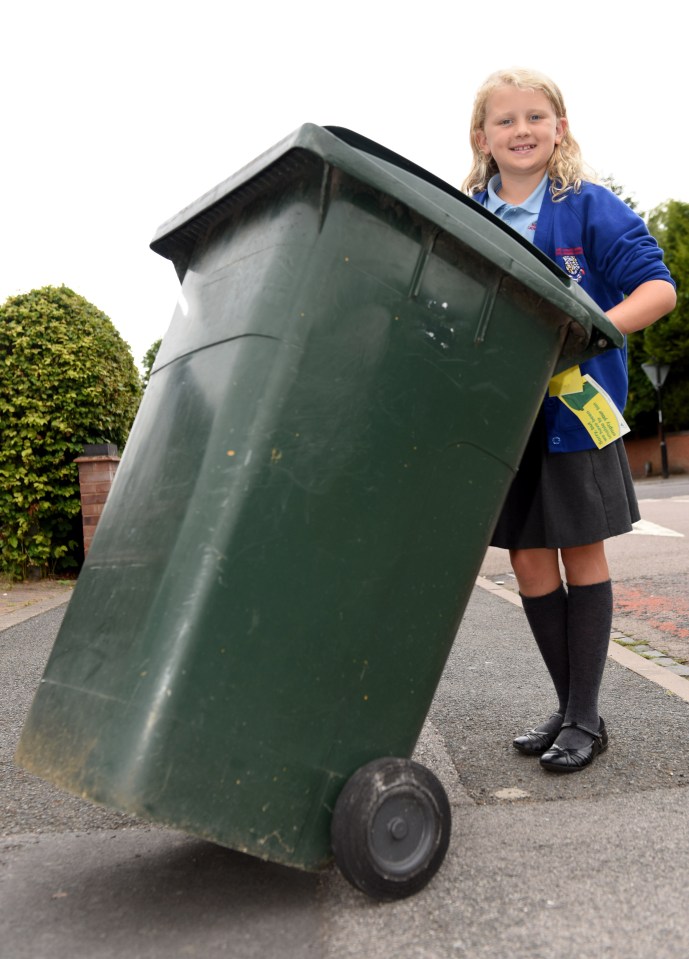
x=443, y=205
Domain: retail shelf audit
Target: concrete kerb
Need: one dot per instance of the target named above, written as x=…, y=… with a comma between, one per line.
x=662, y=676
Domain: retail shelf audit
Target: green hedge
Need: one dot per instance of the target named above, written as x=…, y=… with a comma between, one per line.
x=66, y=379
x=666, y=341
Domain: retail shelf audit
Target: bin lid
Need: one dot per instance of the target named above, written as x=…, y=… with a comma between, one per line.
x=441, y=203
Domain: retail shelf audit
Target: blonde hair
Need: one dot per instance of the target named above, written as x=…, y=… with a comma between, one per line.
x=566, y=168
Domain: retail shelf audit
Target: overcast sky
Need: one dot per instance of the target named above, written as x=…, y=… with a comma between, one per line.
x=115, y=116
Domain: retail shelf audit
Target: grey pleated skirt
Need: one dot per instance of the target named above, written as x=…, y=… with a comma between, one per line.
x=560, y=500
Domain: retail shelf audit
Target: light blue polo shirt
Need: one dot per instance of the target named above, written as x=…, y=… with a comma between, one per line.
x=522, y=218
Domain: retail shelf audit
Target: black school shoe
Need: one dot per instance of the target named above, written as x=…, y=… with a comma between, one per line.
x=568, y=760
x=536, y=741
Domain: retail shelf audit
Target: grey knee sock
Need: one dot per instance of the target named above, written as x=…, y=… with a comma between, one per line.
x=589, y=619
x=547, y=617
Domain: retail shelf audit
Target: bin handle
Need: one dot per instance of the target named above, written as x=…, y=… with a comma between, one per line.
x=360, y=142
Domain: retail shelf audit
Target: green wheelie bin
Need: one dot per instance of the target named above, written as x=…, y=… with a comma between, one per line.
x=331, y=425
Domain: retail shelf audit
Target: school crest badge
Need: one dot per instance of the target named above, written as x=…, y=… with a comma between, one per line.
x=571, y=264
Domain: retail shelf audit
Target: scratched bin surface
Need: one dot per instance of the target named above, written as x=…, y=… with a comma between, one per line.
x=332, y=423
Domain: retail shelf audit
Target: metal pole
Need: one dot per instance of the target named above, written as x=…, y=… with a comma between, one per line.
x=656, y=372
x=663, y=445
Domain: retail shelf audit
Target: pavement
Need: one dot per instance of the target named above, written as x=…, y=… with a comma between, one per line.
x=539, y=867
x=22, y=601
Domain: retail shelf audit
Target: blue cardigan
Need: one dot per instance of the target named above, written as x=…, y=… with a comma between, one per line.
x=603, y=245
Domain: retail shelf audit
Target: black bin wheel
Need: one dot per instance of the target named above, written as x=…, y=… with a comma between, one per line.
x=391, y=828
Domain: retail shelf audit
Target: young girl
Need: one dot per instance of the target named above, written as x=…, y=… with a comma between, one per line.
x=568, y=495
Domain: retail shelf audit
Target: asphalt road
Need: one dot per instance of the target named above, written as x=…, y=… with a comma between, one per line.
x=539, y=867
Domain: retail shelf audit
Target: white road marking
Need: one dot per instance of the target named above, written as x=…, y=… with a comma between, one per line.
x=646, y=528
x=664, y=499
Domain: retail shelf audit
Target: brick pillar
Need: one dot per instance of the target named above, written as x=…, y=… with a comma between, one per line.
x=97, y=468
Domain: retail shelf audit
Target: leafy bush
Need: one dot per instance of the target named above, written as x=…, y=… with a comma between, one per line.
x=666, y=341
x=148, y=361
x=66, y=379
